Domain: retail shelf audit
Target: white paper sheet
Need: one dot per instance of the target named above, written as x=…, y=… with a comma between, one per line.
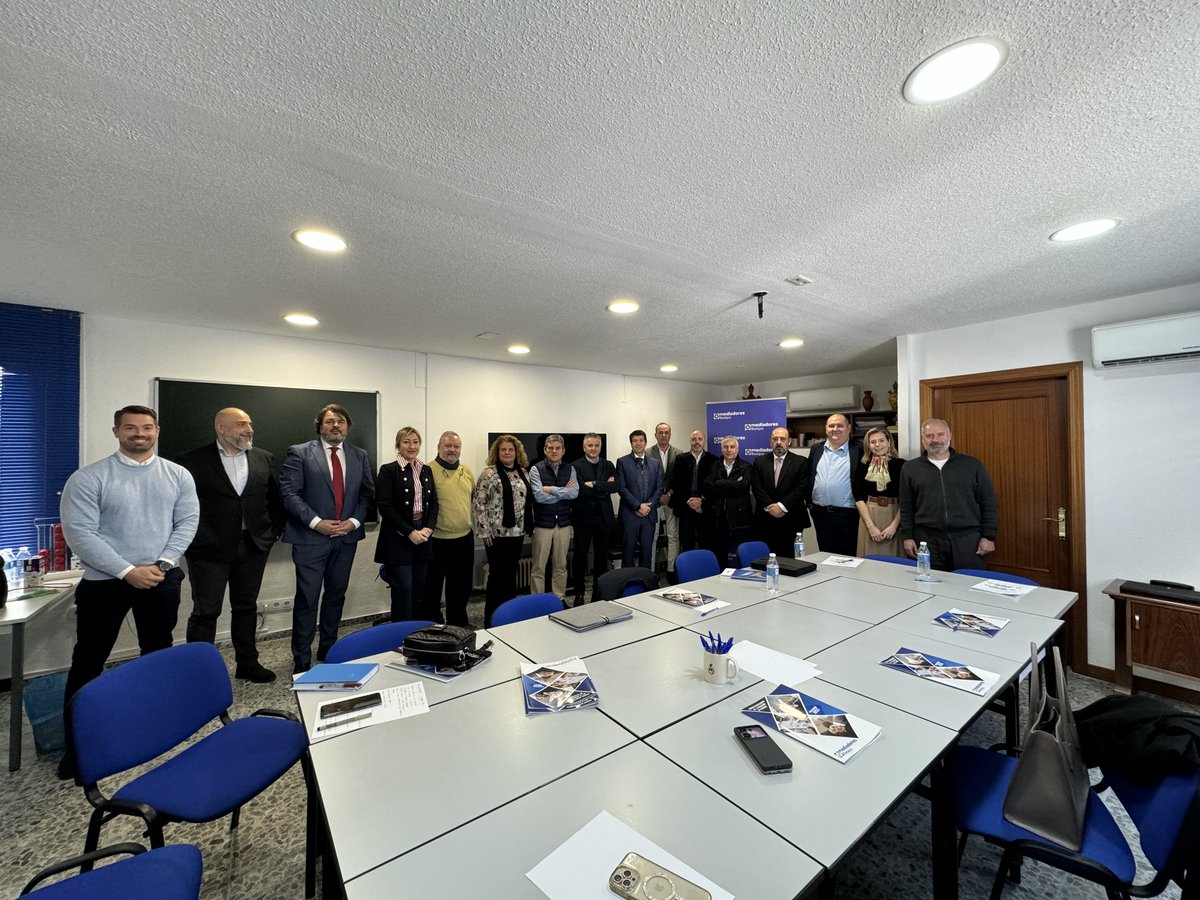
x=842, y=562
x=771, y=665
x=396, y=703
x=1003, y=588
x=579, y=868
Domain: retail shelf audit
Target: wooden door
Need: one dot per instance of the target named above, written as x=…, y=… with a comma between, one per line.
x=1026, y=426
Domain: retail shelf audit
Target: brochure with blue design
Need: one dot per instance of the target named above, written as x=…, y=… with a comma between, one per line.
x=973, y=623
x=559, y=685
x=821, y=725
x=746, y=574
x=944, y=671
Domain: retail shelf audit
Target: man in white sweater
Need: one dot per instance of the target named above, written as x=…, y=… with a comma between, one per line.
x=129, y=518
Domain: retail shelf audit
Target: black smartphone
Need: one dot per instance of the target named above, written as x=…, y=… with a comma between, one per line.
x=351, y=704
x=770, y=759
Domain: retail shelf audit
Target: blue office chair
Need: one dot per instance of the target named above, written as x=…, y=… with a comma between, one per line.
x=692, y=565
x=141, y=709
x=625, y=583
x=1166, y=813
x=750, y=551
x=169, y=873
x=369, y=641
x=998, y=576
x=897, y=560
x=528, y=606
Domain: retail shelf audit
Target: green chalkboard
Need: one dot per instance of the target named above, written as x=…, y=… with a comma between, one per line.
x=282, y=416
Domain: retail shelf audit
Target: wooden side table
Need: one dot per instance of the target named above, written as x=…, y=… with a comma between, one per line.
x=1157, y=634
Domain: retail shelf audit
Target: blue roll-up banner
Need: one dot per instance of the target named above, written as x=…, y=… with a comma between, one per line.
x=750, y=421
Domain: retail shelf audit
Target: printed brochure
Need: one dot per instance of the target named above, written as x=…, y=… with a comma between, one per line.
x=943, y=671
x=1003, y=588
x=702, y=603
x=823, y=727
x=974, y=623
x=555, y=686
x=746, y=574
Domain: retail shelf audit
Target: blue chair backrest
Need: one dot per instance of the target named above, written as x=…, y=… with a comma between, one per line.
x=998, y=576
x=144, y=707
x=530, y=606
x=897, y=560
x=1159, y=811
x=692, y=565
x=749, y=552
x=370, y=641
x=625, y=582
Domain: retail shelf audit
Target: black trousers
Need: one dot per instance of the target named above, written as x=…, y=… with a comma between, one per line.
x=319, y=565
x=243, y=577
x=503, y=558
x=837, y=529
x=595, y=535
x=950, y=550
x=453, y=565
x=407, y=586
x=693, y=531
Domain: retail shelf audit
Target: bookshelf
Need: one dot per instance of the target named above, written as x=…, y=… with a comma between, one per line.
x=807, y=429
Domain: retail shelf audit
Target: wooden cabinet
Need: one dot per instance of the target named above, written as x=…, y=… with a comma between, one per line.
x=1156, y=634
x=807, y=429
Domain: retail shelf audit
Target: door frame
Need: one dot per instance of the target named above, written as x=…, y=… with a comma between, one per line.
x=1072, y=373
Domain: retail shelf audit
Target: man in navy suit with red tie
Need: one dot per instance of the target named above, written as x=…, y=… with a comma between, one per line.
x=327, y=490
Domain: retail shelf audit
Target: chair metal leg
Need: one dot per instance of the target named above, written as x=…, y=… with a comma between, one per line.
x=962, y=846
x=1006, y=862
x=235, y=818
x=92, y=840
x=310, y=830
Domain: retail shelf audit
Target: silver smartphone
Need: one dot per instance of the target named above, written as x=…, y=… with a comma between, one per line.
x=636, y=878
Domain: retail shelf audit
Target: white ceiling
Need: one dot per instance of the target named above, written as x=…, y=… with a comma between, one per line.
x=512, y=167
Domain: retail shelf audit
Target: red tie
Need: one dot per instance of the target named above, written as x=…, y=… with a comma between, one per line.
x=339, y=484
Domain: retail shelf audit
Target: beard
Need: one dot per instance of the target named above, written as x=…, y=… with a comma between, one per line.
x=244, y=443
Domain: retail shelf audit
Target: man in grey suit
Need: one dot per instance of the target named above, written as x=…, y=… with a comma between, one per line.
x=327, y=490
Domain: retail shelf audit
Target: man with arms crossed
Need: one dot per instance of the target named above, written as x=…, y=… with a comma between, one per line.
x=691, y=471
x=327, y=489
x=834, y=464
x=666, y=455
x=780, y=481
x=947, y=500
x=129, y=518
x=639, y=482
x=554, y=487
x=453, y=543
x=241, y=516
x=592, y=514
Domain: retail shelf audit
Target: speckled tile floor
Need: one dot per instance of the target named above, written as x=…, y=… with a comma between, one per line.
x=46, y=820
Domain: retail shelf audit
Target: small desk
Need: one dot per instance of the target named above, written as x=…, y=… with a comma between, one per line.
x=862, y=600
x=13, y=616
x=1163, y=635
x=541, y=640
x=1011, y=643
x=787, y=627
x=738, y=594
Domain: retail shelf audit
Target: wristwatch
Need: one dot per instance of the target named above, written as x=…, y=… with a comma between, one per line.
x=165, y=566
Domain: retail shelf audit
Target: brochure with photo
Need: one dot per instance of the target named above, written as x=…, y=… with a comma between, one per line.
x=556, y=686
x=687, y=598
x=944, y=671
x=437, y=673
x=820, y=725
x=975, y=623
x=746, y=574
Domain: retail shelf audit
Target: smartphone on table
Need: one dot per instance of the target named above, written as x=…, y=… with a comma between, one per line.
x=351, y=704
x=764, y=751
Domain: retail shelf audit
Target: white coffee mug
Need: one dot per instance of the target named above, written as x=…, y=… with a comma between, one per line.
x=719, y=668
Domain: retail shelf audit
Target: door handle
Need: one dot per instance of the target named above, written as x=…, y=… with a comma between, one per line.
x=1061, y=519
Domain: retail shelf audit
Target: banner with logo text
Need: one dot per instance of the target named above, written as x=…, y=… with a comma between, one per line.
x=750, y=421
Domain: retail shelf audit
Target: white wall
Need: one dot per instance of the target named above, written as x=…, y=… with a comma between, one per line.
x=1141, y=430
x=122, y=357
x=878, y=381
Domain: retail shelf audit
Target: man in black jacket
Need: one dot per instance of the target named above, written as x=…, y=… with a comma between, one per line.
x=947, y=500
x=691, y=471
x=592, y=516
x=241, y=517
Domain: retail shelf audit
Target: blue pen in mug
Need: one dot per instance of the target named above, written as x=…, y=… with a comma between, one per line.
x=718, y=666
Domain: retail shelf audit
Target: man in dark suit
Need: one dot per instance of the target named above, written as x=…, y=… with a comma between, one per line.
x=327, y=491
x=727, y=502
x=665, y=454
x=592, y=514
x=780, y=485
x=688, y=477
x=639, y=482
x=833, y=465
x=240, y=518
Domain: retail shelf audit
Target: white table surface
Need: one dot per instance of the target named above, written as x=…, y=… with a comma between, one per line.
x=391, y=787
x=871, y=603
x=738, y=594
x=1012, y=642
x=541, y=640
x=796, y=630
x=822, y=805
x=489, y=857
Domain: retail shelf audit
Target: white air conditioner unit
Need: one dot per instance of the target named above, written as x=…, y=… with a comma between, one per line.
x=819, y=400
x=1163, y=339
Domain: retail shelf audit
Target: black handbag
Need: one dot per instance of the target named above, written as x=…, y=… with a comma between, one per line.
x=1049, y=790
x=444, y=646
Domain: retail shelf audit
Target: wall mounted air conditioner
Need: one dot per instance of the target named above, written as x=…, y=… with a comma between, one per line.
x=1164, y=339
x=827, y=400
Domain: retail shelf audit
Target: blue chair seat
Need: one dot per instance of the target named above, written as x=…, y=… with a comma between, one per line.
x=169, y=873
x=981, y=780
x=692, y=565
x=996, y=576
x=749, y=551
x=250, y=754
x=369, y=641
x=528, y=606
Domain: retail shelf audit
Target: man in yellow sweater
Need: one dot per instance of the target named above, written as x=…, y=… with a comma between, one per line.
x=453, y=541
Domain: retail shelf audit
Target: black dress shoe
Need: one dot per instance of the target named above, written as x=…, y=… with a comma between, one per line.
x=255, y=672
x=66, y=767
x=301, y=668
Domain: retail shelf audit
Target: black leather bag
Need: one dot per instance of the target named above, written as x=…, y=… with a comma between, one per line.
x=444, y=646
x=1049, y=789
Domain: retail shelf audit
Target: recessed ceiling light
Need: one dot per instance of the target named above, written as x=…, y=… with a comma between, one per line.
x=303, y=319
x=791, y=343
x=623, y=307
x=323, y=241
x=954, y=70
x=519, y=349
x=669, y=367
x=1084, y=230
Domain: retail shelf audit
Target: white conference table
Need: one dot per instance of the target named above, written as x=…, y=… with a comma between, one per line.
x=476, y=772
x=738, y=594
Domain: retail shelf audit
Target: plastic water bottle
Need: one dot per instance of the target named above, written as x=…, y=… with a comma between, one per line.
x=9, y=557
x=772, y=574
x=798, y=547
x=19, y=566
x=923, y=561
